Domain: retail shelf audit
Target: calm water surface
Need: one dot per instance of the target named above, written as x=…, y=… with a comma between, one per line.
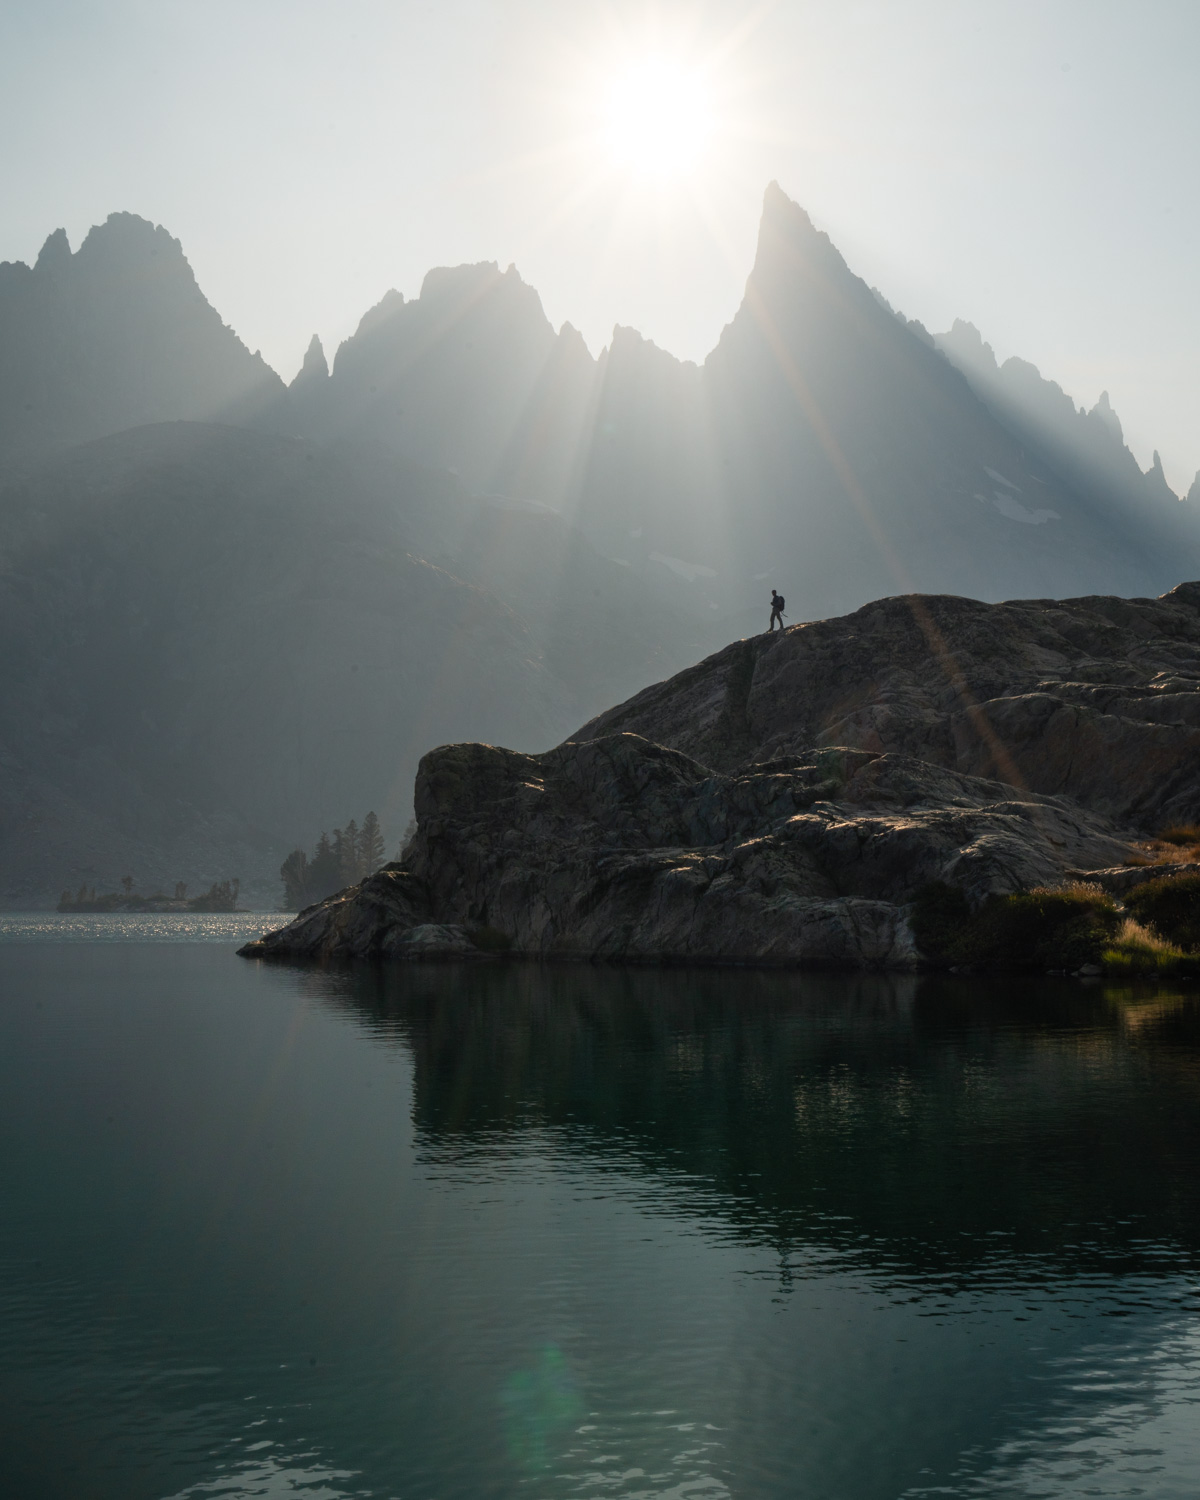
x=447, y=1232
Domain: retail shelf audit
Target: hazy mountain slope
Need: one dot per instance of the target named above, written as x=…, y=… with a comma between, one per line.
x=217, y=641
x=206, y=623
x=599, y=626
x=858, y=460
x=1086, y=448
x=115, y=336
x=825, y=445
x=217, y=638
x=449, y=377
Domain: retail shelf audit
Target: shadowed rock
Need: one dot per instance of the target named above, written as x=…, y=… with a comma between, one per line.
x=814, y=782
x=620, y=849
x=1097, y=699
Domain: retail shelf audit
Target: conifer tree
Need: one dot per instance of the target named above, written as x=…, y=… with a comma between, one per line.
x=350, y=854
x=294, y=874
x=371, y=847
x=324, y=870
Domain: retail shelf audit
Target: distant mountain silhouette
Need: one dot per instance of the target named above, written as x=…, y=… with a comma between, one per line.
x=454, y=377
x=826, y=445
x=1086, y=448
x=114, y=336
x=219, y=632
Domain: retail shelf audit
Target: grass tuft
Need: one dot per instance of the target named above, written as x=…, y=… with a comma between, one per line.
x=1131, y=934
x=1181, y=833
x=1141, y=950
x=1171, y=905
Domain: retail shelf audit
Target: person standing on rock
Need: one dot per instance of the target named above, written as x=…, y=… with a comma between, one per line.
x=776, y=611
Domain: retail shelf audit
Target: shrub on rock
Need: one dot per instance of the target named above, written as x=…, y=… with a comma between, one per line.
x=1039, y=929
x=1172, y=907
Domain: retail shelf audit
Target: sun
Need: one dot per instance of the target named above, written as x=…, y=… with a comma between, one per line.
x=658, y=118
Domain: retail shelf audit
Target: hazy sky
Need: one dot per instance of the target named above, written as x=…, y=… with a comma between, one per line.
x=1031, y=167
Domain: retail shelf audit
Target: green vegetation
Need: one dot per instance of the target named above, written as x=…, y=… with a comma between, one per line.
x=1139, y=951
x=1041, y=929
x=1065, y=927
x=349, y=856
x=1171, y=905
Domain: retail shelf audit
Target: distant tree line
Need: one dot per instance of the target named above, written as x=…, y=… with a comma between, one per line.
x=221, y=896
x=350, y=855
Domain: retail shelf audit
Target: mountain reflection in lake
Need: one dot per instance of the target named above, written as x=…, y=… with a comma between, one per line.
x=473, y=1232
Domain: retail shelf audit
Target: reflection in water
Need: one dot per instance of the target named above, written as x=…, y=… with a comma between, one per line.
x=923, y=1127
x=478, y=1232
x=970, y=1152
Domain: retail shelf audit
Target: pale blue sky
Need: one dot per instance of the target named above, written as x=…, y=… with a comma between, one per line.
x=1031, y=167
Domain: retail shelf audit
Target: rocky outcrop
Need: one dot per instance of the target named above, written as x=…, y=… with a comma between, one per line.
x=1096, y=699
x=620, y=849
x=785, y=800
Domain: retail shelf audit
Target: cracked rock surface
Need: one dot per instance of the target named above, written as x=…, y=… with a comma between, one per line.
x=1097, y=699
x=784, y=800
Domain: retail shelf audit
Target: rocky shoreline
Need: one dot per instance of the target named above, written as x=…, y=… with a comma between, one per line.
x=787, y=800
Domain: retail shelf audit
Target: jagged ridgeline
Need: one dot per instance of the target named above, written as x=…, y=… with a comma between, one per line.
x=348, y=856
x=227, y=603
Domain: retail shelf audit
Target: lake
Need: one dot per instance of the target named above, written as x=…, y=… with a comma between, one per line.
x=445, y=1231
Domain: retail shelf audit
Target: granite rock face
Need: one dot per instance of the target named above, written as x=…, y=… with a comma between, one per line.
x=1096, y=699
x=619, y=849
x=784, y=801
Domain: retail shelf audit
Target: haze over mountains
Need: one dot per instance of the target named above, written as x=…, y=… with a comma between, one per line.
x=234, y=611
x=116, y=335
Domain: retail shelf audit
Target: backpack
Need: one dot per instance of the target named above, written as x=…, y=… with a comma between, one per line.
x=779, y=602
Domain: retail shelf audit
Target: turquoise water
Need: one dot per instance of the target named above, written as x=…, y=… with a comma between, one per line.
x=444, y=1232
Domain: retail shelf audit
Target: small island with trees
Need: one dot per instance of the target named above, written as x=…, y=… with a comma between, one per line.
x=221, y=896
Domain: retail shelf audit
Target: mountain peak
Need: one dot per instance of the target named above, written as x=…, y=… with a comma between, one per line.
x=965, y=346
x=1103, y=412
x=315, y=369
x=792, y=251
x=126, y=238
x=472, y=279
x=55, y=253
x=117, y=335
x=778, y=207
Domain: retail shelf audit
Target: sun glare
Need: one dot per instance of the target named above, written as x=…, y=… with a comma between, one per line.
x=658, y=118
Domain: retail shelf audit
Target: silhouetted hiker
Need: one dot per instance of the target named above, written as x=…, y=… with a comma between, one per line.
x=776, y=611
